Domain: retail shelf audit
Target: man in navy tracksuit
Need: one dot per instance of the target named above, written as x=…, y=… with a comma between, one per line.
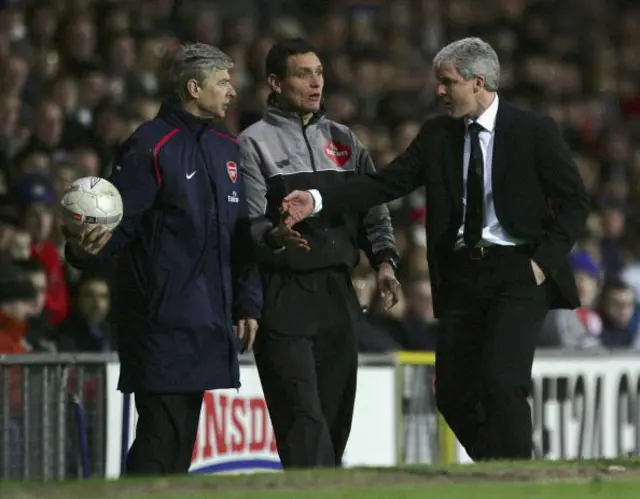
x=185, y=277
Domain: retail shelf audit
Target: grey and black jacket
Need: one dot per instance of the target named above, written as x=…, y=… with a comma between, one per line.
x=279, y=155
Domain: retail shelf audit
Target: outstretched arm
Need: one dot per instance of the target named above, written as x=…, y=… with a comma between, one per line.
x=360, y=193
x=377, y=237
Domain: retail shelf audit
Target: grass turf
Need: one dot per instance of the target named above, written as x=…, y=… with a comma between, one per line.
x=599, y=479
x=610, y=490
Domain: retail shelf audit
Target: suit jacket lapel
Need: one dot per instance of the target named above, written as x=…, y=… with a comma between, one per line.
x=455, y=153
x=501, y=145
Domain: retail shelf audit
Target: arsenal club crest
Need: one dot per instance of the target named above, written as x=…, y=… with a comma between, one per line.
x=337, y=152
x=232, y=170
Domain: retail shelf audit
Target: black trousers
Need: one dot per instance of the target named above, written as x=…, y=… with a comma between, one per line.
x=165, y=433
x=493, y=312
x=309, y=373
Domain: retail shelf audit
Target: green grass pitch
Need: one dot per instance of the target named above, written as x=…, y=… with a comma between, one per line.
x=600, y=479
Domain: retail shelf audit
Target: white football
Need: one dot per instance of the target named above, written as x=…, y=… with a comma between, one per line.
x=92, y=201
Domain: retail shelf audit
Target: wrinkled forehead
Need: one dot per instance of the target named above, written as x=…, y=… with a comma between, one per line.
x=624, y=297
x=446, y=70
x=303, y=62
x=218, y=75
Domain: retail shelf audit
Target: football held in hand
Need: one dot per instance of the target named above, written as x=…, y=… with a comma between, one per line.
x=91, y=201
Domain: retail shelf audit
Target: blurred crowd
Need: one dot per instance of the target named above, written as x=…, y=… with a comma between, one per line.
x=78, y=76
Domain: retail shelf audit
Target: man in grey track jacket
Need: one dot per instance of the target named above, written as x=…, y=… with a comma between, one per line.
x=306, y=351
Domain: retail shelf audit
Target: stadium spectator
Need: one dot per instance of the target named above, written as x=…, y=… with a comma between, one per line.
x=9, y=222
x=17, y=295
x=620, y=315
x=419, y=323
x=63, y=174
x=588, y=277
x=40, y=336
x=36, y=198
x=580, y=328
x=613, y=216
x=86, y=329
x=21, y=244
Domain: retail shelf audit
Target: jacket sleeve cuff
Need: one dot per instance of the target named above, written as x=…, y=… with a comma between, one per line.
x=270, y=242
x=246, y=313
x=71, y=258
x=386, y=255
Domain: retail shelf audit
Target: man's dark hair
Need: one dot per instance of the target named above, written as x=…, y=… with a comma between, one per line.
x=276, y=62
x=30, y=266
x=93, y=275
x=9, y=212
x=615, y=285
x=87, y=277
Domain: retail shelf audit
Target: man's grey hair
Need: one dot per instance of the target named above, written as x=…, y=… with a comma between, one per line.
x=195, y=61
x=472, y=57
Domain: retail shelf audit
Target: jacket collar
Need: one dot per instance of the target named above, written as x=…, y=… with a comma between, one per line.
x=182, y=119
x=486, y=120
x=276, y=114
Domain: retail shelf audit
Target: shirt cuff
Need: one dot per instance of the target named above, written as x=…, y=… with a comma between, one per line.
x=317, y=199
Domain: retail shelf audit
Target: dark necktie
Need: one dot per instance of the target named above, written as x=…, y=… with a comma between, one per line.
x=474, y=214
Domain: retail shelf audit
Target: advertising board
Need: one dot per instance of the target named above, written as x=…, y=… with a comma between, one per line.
x=235, y=433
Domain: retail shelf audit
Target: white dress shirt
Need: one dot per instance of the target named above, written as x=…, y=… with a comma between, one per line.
x=492, y=233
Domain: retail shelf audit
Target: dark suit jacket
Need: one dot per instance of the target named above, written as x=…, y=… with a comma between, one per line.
x=538, y=192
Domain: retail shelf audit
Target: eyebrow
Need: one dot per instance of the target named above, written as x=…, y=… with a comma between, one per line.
x=307, y=68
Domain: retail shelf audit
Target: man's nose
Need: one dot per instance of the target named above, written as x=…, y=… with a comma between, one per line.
x=441, y=90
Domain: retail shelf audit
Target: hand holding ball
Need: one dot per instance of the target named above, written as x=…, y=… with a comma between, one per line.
x=92, y=201
x=92, y=208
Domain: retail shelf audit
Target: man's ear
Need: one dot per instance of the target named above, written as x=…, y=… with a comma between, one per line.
x=478, y=83
x=193, y=88
x=275, y=83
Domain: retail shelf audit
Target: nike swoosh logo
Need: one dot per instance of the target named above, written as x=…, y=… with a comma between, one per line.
x=189, y=175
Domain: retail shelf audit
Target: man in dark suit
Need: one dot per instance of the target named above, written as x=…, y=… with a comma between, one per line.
x=505, y=204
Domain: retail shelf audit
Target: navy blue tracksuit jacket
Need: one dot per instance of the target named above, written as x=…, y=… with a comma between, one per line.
x=185, y=271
